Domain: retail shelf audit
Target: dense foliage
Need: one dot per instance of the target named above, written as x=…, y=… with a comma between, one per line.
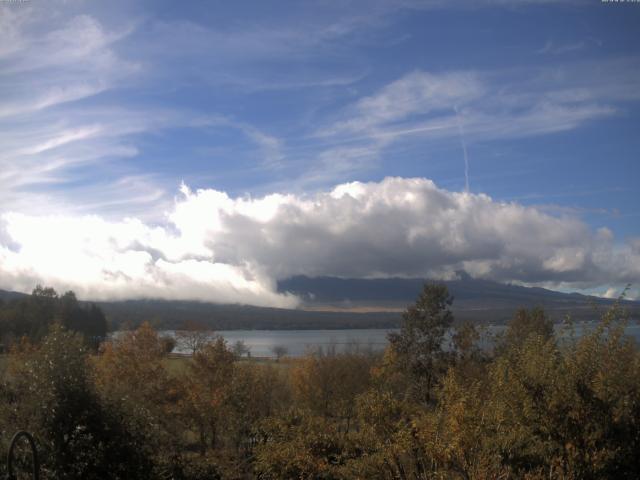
x=434, y=406
x=32, y=315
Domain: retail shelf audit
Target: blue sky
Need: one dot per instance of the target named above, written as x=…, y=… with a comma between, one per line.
x=106, y=109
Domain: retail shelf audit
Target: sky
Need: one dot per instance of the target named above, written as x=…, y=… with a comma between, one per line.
x=206, y=150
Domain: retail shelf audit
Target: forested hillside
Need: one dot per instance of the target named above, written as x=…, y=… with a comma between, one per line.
x=31, y=316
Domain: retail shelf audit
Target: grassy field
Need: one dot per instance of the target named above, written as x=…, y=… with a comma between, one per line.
x=177, y=364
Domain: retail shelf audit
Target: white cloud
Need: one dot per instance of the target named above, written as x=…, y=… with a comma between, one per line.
x=554, y=49
x=493, y=105
x=419, y=109
x=218, y=248
x=61, y=66
x=61, y=141
x=611, y=293
x=70, y=141
x=128, y=259
x=56, y=61
x=417, y=93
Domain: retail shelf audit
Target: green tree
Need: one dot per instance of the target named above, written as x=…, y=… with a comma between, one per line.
x=88, y=320
x=418, y=347
x=31, y=316
x=524, y=324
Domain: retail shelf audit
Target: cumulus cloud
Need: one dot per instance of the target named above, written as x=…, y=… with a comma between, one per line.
x=127, y=259
x=611, y=293
x=217, y=248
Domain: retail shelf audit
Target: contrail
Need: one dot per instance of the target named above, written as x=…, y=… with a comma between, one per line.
x=464, y=149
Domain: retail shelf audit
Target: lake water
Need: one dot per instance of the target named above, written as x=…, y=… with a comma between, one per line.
x=299, y=342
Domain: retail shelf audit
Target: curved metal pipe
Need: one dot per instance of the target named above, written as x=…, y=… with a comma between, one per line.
x=32, y=443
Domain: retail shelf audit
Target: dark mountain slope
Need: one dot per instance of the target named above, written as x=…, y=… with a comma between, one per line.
x=330, y=303
x=6, y=295
x=394, y=292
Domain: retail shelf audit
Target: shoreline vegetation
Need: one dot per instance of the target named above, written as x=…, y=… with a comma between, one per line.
x=533, y=407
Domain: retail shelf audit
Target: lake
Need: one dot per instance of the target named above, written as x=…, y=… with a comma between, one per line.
x=298, y=342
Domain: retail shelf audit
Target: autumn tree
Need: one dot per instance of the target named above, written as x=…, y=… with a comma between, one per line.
x=131, y=378
x=241, y=349
x=328, y=383
x=168, y=343
x=80, y=437
x=193, y=336
x=469, y=357
x=256, y=393
x=387, y=436
x=524, y=324
x=418, y=347
x=559, y=409
x=208, y=388
x=298, y=445
x=279, y=351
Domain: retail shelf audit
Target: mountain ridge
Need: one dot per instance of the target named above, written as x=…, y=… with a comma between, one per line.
x=386, y=291
x=335, y=303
